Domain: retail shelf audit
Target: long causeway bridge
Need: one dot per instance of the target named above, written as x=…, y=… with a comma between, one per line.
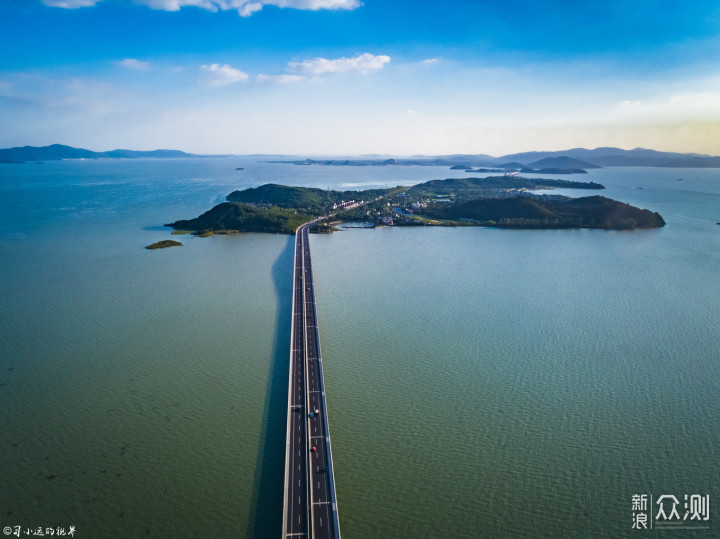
x=310, y=503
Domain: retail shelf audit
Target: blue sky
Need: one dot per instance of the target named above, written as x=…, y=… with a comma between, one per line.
x=351, y=77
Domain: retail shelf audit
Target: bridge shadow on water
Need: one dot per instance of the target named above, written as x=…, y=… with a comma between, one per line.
x=266, y=505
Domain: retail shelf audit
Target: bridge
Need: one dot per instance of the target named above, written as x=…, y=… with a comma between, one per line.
x=310, y=508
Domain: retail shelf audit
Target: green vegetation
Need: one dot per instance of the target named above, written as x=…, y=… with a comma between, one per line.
x=469, y=186
x=307, y=200
x=526, y=212
x=502, y=201
x=236, y=216
x=324, y=227
x=553, y=171
x=164, y=244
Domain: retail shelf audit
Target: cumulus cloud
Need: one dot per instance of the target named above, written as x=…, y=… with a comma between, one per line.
x=364, y=63
x=220, y=75
x=282, y=79
x=132, y=63
x=250, y=8
x=244, y=7
x=70, y=4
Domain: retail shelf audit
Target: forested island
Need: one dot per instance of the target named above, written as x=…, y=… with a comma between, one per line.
x=497, y=201
x=163, y=244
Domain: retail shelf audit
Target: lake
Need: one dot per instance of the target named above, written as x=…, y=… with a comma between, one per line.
x=480, y=382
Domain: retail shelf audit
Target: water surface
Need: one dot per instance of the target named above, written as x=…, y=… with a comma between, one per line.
x=480, y=382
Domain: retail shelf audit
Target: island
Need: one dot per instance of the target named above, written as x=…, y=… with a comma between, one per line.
x=509, y=201
x=527, y=170
x=561, y=212
x=164, y=244
x=234, y=217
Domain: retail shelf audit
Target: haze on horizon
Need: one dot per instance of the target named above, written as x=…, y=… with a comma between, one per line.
x=344, y=77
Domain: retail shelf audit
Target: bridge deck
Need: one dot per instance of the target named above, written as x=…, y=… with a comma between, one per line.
x=310, y=501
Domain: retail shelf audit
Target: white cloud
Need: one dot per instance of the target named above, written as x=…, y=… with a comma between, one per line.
x=250, y=8
x=220, y=75
x=689, y=98
x=244, y=7
x=175, y=5
x=315, y=4
x=282, y=79
x=132, y=63
x=70, y=4
x=429, y=61
x=364, y=63
x=681, y=107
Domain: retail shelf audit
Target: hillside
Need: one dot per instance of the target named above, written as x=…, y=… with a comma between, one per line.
x=524, y=212
x=553, y=171
x=562, y=162
x=465, y=186
x=235, y=216
x=304, y=199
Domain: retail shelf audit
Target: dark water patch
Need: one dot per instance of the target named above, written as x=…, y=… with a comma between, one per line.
x=266, y=505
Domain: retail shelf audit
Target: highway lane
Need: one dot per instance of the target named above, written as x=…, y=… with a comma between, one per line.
x=310, y=500
x=296, y=509
x=323, y=509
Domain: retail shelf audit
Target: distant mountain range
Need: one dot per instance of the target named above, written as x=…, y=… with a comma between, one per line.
x=585, y=159
x=57, y=152
x=575, y=158
x=616, y=157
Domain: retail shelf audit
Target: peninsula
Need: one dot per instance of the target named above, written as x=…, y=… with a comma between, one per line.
x=498, y=201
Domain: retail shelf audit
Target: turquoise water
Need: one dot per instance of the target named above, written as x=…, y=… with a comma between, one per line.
x=480, y=382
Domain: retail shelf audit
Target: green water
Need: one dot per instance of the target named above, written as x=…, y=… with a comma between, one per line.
x=481, y=383
x=142, y=384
